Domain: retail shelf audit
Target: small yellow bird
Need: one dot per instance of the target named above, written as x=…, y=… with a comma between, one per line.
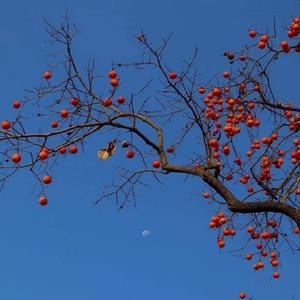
x=108, y=151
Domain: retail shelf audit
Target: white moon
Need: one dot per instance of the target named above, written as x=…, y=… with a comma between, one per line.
x=145, y=233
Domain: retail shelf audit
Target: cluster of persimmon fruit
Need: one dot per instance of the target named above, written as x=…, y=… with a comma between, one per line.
x=64, y=113
x=293, y=31
x=219, y=221
x=239, y=112
x=228, y=115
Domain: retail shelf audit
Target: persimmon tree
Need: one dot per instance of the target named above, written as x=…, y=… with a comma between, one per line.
x=232, y=127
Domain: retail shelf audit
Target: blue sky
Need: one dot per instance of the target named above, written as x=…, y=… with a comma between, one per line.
x=74, y=250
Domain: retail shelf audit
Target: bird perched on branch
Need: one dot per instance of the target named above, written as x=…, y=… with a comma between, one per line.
x=108, y=151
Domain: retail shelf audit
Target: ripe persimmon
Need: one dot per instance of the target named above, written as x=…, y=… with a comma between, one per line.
x=64, y=113
x=252, y=33
x=172, y=75
x=16, y=104
x=130, y=153
x=47, y=75
x=114, y=82
x=156, y=164
x=73, y=149
x=16, y=158
x=74, y=101
x=112, y=74
x=5, y=124
x=121, y=100
x=43, y=201
x=47, y=179
x=54, y=124
x=43, y=155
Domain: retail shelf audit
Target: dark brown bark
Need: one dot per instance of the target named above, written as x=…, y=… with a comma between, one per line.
x=233, y=203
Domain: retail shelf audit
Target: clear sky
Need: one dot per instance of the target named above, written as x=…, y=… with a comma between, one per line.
x=74, y=250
